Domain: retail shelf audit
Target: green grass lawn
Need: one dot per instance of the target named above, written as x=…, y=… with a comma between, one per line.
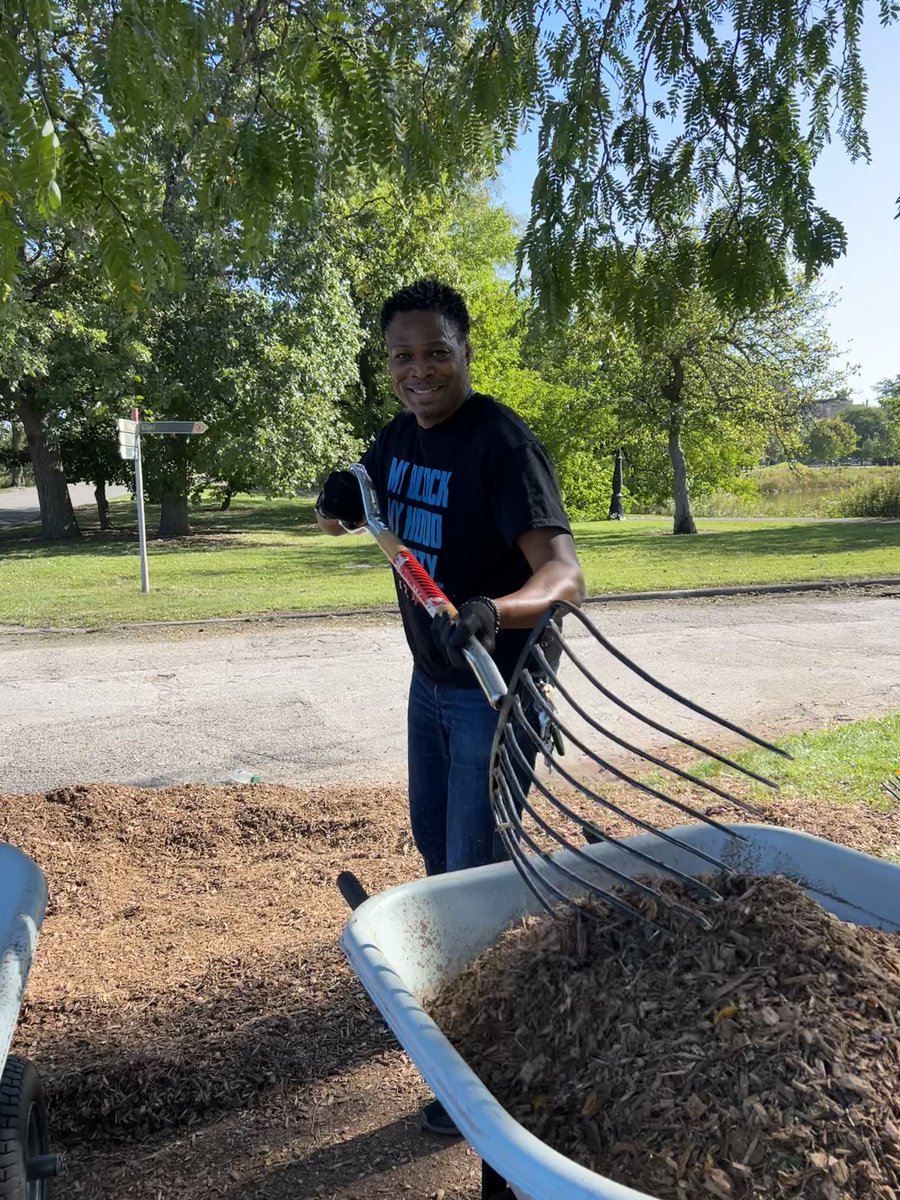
x=267, y=556
x=844, y=763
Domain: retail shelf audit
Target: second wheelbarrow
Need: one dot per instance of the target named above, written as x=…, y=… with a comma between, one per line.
x=26, y=1165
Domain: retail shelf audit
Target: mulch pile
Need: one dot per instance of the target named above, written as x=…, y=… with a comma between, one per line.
x=189, y=960
x=196, y=1026
x=758, y=1059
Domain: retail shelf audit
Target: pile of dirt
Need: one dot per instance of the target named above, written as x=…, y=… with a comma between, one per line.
x=189, y=960
x=758, y=1059
x=180, y=820
x=195, y=1023
x=168, y=1060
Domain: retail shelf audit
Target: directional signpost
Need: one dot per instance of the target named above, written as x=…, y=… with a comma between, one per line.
x=185, y=427
x=130, y=430
x=127, y=437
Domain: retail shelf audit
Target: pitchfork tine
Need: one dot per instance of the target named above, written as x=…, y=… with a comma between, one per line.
x=653, y=724
x=565, y=606
x=506, y=820
x=528, y=827
x=658, y=725
x=645, y=888
x=645, y=754
x=562, y=807
x=608, y=897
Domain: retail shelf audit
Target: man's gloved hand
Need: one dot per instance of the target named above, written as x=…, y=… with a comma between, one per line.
x=340, y=499
x=478, y=621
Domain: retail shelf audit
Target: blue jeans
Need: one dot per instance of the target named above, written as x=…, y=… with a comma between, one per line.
x=450, y=731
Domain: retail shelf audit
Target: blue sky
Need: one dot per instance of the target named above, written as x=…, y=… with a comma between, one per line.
x=865, y=322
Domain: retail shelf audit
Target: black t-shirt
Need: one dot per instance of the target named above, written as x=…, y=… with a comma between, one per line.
x=459, y=495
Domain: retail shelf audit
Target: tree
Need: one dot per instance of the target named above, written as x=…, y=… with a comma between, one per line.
x=89, y=452
x=114, y=112
x=13, y=452
x=872, y=429
x=731, y=383
x=888, y=392
x=581, y=367
x=650, y=113
x=40, y=315
x=68, y=357
x=116, y=119
x=829, y=439
x=92, y=377
x=697, y=392
x=265, y=373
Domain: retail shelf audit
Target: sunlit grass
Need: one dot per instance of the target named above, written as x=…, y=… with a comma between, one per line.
x=846, y=763
x=268, y=556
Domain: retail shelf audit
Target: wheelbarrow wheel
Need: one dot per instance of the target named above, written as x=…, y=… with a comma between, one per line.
x=26, y=1164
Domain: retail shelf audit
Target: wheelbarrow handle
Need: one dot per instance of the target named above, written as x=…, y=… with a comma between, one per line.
x=351, y=889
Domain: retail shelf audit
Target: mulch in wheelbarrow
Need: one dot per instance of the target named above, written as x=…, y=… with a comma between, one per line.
x=758, y=1059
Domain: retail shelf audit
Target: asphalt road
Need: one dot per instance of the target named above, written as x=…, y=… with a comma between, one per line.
x=316, y=701
x=18, y=506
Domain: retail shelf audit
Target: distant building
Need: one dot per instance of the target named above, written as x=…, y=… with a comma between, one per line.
x=831, y=408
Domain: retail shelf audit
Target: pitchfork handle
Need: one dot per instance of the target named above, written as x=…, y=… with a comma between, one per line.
x=485, y=671
x=423, y=587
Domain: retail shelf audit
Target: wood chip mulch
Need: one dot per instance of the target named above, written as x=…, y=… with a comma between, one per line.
x=189, y=959
x=758, y=1059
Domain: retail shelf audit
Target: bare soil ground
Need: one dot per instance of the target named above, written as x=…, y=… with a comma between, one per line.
x=196, y=1025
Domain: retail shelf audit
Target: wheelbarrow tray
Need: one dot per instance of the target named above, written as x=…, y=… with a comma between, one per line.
x=407, y=942
x=23, y=899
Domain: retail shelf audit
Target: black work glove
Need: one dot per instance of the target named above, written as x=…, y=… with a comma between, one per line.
x=478, y=621
x=340, y=499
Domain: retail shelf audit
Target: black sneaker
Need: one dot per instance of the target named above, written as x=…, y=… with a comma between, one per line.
x=436, y=1119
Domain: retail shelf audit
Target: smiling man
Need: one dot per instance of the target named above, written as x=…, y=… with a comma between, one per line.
x=467, y=486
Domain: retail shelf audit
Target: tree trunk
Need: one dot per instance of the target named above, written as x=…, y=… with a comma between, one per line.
x=226, y=498
x=369, y=417
x=102, y=503
x=17, y=444
x=684, y=518
x=173, y=515
x=57, y=515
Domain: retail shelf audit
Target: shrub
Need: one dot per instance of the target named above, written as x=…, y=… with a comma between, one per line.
x=878, y=499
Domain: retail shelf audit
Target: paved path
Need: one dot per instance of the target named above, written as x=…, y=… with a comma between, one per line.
x=18, y=506
x=323, y=700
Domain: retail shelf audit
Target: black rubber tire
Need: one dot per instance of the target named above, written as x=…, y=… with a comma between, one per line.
x=493, y=1186
x=23, y=1130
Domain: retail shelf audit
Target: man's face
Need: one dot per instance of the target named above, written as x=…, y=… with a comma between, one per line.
x=429, y=364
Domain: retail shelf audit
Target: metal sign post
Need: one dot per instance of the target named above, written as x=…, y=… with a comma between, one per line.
x=139, y=489
x=130, y=431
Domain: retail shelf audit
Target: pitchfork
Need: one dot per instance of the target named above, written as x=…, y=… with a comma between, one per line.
x=520, y=739
x=530, y=725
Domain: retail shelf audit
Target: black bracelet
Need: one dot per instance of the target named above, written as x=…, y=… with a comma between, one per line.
x=493, y=607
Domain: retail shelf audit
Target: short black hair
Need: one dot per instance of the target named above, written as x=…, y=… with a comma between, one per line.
x=428, y=295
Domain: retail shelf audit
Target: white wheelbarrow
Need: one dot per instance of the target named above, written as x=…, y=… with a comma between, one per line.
x=407, y=942
x=26, y=1165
